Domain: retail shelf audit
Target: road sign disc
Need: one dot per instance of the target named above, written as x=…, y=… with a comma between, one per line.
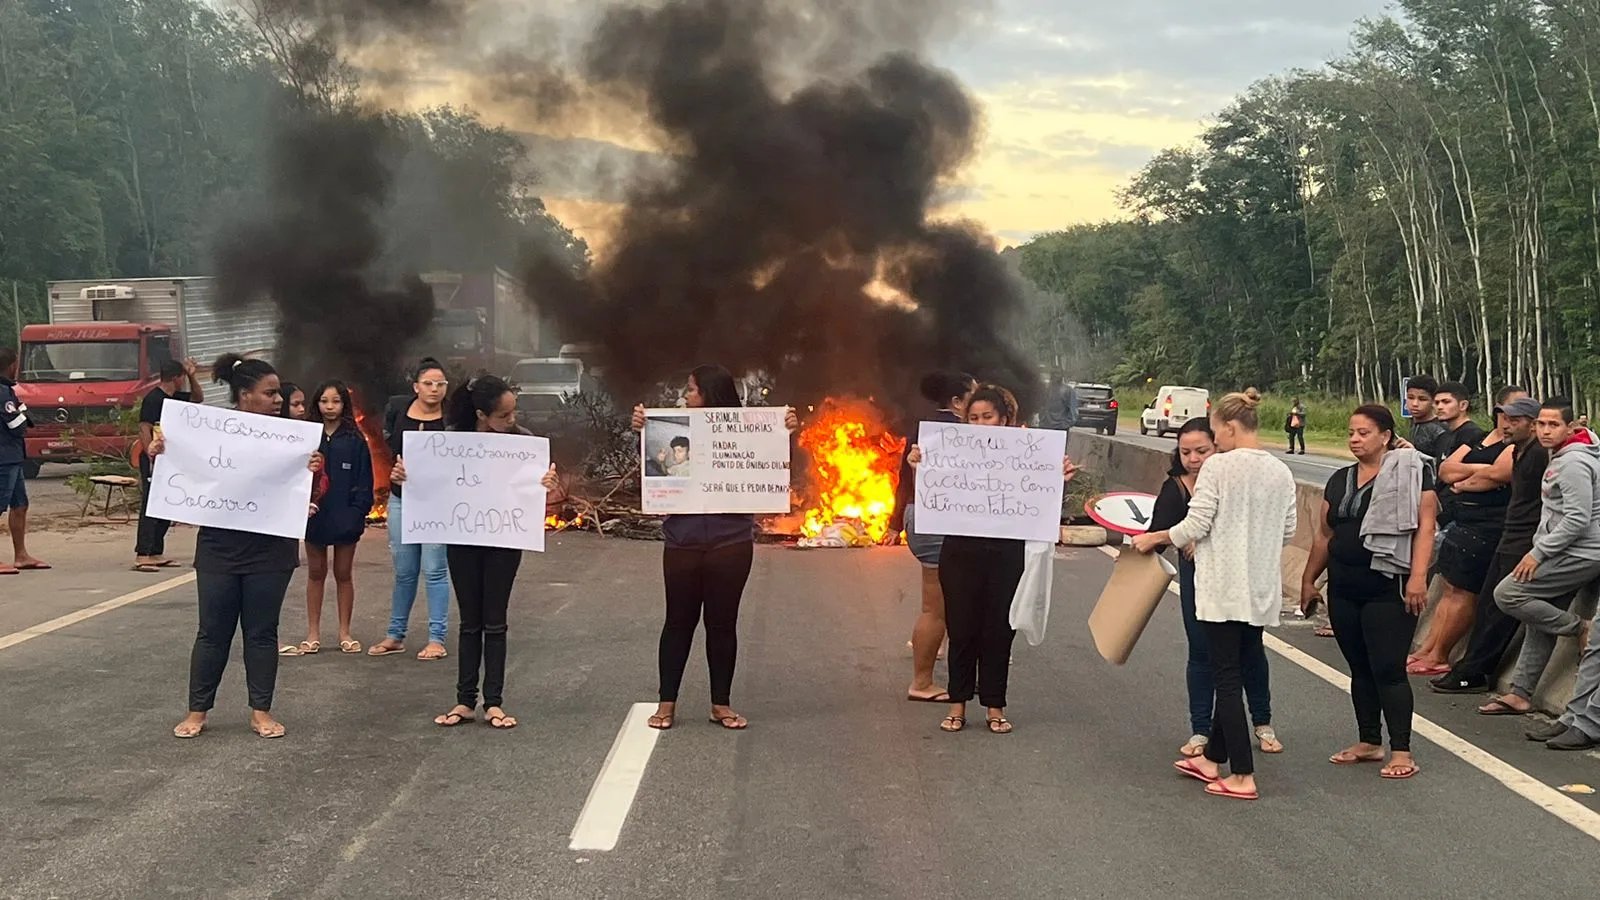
x=1125, y=512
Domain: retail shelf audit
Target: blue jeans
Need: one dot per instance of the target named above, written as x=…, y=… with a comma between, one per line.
x=1202, y=689
x=411, y=560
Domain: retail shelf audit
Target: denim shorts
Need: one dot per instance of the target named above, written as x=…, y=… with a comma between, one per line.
x=925, y=547
x=13, y=487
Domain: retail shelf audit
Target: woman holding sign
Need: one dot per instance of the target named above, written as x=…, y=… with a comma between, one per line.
x=483, y=576
x=979, y=577
x=241, y=577
x=705, y=565
x=1240, y=518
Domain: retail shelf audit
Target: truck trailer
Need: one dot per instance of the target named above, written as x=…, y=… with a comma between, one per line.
x=103, y=350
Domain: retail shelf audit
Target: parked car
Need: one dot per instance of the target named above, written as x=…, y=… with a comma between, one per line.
x=1172, y=407
x=1097, y=407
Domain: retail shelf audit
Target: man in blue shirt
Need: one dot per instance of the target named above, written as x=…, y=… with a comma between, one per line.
x=13, y=453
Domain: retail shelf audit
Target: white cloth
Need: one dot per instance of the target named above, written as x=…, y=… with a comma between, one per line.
x=1240, y=518
x=1030, y=605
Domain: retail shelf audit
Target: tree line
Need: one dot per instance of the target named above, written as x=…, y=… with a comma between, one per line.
x=1428, y=202
x=132, y=130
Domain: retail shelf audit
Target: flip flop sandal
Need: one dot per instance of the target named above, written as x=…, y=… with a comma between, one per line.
x=309, y=647
x=953, y=724
x=290, y=650
x=725, y=721
x=1187, y=767
x=460, y=718
x=442, y=655
x=188, y=735
x=941, y=697
x=1000, y=725
x=34, y=567
x=384, y=650
x=1408, y=770
x=1426, y=670
x=268, y=734
x=168, y=564
x=1196, y=746
x=1344, y=758
x=1265, y=736
x=494, y=722
x=147, y=568
x=1218, y=789
x=349, y=646
x=1498, y=707
x=660, y=723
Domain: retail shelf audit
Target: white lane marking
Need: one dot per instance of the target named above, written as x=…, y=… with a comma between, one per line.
x=89, y=612
x=611, y=797
x=1521, y=783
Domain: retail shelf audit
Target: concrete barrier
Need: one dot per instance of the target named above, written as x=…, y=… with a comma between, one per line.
x=1133, y=467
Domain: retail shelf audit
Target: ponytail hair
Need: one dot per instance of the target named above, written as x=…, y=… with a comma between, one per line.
x=239, y=374
x=478, y=395
x=1240, y=409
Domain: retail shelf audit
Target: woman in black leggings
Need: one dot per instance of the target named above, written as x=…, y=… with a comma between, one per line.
x=1374, y=614
x=979, y=577
x=704, y=566
x=482, y=575
x=241, y=577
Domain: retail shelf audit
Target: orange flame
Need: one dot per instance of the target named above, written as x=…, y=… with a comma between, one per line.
x=382, y=462
x=855, y=467
x=557, y=523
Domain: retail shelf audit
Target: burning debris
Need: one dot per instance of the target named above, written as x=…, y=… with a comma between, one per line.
x=853, y=473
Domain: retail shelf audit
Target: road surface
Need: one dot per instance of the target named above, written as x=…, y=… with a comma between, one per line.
x=840, y=788
x=1313, y=467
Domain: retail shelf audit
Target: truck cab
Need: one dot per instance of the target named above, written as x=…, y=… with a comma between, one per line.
x=78, y=378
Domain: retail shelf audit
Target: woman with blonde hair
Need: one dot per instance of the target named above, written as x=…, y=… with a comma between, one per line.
x=1240, y=518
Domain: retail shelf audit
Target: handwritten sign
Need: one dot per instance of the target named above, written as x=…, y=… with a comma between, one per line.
x=714, y=461
x=228, y=469
x=474, y=488
x=988, y=481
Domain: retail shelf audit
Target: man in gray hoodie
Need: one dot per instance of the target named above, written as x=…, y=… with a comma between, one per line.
x=1566, y=548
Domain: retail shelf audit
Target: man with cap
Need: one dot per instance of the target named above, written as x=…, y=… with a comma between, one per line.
x=1493, y=630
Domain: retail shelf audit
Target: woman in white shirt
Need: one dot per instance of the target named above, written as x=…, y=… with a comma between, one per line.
x=1241, y=516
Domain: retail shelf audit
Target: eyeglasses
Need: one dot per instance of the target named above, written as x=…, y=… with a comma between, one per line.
x=430, y=385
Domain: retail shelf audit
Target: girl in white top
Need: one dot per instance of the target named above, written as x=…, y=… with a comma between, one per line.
x=1241, y=516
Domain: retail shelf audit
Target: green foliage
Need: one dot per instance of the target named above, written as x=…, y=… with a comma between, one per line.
x=125, y=423
x=1426, y=203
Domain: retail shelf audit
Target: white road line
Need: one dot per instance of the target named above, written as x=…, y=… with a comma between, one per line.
x=611, y=797
x=73, y=618
x=1524, y=785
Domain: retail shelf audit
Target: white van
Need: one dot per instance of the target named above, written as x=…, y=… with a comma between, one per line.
x=1172, y=407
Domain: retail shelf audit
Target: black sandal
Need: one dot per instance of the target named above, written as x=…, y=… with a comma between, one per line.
x=660, y=723
x=444, y=720
x=495, y=721
x=953, y=724
x=1000, y=725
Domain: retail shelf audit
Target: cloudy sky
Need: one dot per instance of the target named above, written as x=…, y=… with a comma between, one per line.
x=1080, y=94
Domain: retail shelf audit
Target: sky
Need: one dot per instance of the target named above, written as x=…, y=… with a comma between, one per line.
x=1080, y=94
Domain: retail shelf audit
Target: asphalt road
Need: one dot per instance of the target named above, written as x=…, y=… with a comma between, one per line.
x=839, y=789
x=1312, y=467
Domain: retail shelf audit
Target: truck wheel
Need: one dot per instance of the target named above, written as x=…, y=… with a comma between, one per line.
x=30, y=468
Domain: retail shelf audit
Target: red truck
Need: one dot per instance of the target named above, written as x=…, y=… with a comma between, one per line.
x=103, y=349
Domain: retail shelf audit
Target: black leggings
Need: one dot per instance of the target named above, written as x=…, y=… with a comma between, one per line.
x=712, y=580
x=482, y=577
x=1230, y=731
x=979, y=577
x=1374, y=634
x=228, y=602
x=1297, y=434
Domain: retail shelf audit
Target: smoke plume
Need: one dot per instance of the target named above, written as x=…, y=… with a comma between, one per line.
x=808, y=141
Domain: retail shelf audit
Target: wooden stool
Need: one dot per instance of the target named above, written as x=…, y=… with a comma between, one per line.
x=113, y=484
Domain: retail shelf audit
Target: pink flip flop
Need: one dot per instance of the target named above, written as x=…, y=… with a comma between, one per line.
x=1218, y=789
x=1187, y=767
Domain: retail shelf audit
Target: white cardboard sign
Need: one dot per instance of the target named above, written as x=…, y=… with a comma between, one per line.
x=222, y=468
x=715, y=461
x=474, y=488
x=990, y=481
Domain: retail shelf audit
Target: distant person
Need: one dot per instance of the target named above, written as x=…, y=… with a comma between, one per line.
x=979, y=577
x=294, y=403
x=241, y=577
x=425, y=412
x=946, y=393
x=1428, y=433
x=150, y=545
x=483, y=576
x=340, y=517
x=1196, y=444
x=1061, y=413
x=1565, y=556
x=13, y=456
x=1240, y=518
x=1374, y=539
x=705, y=563
x=1295, y=425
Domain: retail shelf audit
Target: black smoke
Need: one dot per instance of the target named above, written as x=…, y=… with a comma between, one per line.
x=312, y=245
x=797, y=181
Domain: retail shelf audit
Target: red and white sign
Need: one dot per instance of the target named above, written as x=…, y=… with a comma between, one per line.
x=1125, y=512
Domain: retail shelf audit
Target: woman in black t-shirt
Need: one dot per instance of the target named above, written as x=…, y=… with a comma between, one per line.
x=241, y=578
x=1374, y=613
